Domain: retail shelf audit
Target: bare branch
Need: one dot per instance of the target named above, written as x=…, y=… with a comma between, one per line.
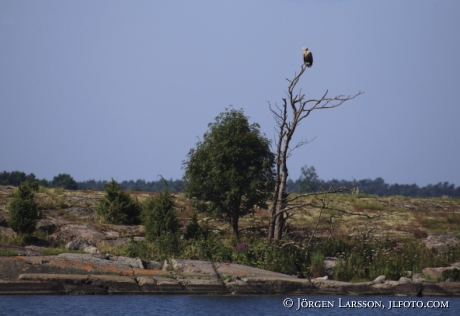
x=298, y=108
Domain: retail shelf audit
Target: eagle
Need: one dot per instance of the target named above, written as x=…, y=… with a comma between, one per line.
x=307, y=57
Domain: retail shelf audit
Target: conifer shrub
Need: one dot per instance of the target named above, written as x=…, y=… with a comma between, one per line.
x=118, y=207
x=23, y=210
x=158, y=215
x=194, y=230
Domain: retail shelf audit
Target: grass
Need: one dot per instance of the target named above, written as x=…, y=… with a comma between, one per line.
x=58, y=251
x=48, y=199
x=389, y=243
x=8, y=253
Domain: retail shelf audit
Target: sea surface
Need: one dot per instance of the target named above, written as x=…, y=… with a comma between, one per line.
x=226, y=305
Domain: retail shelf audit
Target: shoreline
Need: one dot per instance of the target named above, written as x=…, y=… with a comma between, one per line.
x=90, y=274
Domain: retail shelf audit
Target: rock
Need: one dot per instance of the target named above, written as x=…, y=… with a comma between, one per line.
x=79, y=244
x=19, y=287
x=344, y=288
x=111, y=235
x=248, y=280
x=131, y=262
x=441, y=240
x=92, y=250
x=198, y=276
x=408, y=289
x=6, y=231
x=149, y=285
x=434, y=273
x=145, y=280
x=46, y=225
x=70, y=232
x=24, y=251
x=405, y=280
x=67, y=278
x=153, y=265
x=380, y=279
x=197, y=267
x=169, y=286
x=451, y=288
x=417, y=278
x=431, y=289
x=82, y=212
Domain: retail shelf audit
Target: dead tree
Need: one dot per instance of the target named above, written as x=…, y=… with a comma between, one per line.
x=294, y=109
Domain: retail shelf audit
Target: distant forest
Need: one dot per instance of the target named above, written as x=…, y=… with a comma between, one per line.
x=307, y=182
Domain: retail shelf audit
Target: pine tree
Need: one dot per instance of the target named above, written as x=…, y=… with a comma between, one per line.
x=23, y=210
x=158, y=215
x=117, y=207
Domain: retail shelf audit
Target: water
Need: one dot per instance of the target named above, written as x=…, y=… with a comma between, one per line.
x=220, y=305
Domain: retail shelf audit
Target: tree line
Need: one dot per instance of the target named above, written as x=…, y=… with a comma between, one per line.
x=308, y=181
x=66, y=181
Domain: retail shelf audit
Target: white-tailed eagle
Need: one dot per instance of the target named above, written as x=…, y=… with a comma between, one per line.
x=307, y=57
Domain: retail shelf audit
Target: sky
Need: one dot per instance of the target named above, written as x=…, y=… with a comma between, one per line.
x=124, y=89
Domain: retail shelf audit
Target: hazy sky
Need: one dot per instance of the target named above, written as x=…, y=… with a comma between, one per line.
x=123, y=89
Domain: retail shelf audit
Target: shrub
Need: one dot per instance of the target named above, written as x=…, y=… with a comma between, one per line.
x=23, y=210
x=317, y=265
x=194, y=230
x=159, y=217
x=454, y=274
x=117, y=207
x=138, y=249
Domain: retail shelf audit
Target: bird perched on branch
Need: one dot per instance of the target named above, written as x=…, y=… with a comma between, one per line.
x=307, y=57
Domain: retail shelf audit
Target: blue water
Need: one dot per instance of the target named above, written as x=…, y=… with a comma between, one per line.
x=220, y=305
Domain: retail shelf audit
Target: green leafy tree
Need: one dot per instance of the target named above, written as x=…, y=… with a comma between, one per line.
x=15, y=178
x=23, y=210
x=159, y=217
x=308, y=180
x=231, y=169
x=118, y=207
x=65, y=181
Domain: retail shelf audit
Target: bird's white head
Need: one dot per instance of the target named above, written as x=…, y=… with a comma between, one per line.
x=305, y=48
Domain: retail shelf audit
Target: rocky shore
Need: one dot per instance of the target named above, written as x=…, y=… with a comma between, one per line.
x=80, y=274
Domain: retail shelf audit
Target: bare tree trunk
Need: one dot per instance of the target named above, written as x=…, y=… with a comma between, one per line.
x=286, y=127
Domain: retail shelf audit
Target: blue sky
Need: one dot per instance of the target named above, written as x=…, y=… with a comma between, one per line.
x=124, y=89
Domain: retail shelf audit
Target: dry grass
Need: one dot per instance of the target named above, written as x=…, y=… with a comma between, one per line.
x=351, y=215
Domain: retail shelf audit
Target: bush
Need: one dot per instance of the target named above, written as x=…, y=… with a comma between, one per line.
x=23, y=210
x=159, y=217
x=454, y=274
x=194, y=230
x=117, y=207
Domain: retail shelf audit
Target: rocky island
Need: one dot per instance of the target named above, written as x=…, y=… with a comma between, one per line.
x=68, y=218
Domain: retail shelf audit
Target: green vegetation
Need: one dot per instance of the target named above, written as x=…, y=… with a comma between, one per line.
x=453, y=274
x=368, y=187
x=58, y=251
x=159, y=217
x=231, y=169
x=51, y=199
x=389, y=244
x=194, y=230
x=118, y=207
x=65, y=181
x=8, y=253
x=23, y=210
